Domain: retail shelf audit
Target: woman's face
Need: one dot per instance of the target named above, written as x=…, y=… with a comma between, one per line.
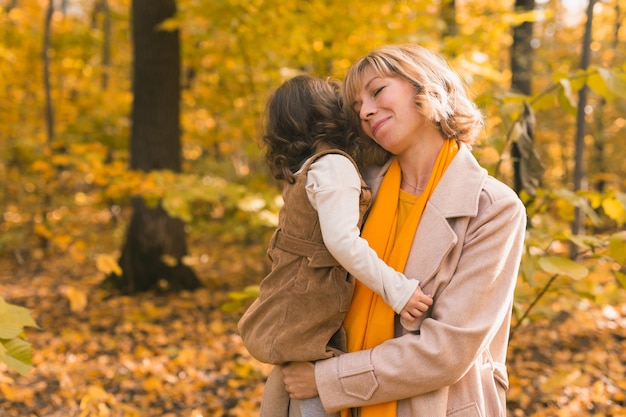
x=388, y=113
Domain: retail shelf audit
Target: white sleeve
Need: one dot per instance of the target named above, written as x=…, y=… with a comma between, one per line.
x=334, y=187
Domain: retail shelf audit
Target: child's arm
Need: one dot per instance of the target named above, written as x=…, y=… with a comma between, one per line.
x=334, y=187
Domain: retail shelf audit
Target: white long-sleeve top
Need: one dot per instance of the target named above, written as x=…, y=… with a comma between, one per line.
x=334, y=186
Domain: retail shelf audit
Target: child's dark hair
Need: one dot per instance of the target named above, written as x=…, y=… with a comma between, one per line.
x=302, y=113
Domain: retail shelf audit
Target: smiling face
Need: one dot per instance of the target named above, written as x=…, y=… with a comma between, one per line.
x=439, y=92
x=387, y=110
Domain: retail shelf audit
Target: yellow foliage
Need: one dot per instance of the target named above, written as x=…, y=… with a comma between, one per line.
x=107, y=264
x=615, y=210
x=77, y=298
x=153, y=383
x=42, y=230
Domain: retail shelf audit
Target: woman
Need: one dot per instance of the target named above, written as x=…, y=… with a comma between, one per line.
x=440, y=218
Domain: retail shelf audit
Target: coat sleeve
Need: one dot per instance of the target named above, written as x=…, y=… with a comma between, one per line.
x=467, y=312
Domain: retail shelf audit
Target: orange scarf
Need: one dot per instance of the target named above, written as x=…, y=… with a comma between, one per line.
x=370, y=321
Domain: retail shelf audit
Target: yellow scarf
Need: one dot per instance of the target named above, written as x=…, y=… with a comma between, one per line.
x=370, y=321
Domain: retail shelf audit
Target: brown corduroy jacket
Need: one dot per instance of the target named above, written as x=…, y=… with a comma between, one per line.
x=303, y=300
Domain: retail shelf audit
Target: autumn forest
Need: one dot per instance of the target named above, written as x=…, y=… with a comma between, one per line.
x=136, y=206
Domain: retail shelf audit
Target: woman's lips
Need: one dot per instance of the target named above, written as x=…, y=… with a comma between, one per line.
x=378, y=125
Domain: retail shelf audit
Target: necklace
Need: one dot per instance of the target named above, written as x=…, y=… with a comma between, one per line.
x=412, y=186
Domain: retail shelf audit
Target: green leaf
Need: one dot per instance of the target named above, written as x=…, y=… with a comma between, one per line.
x=587, y=242
x=16, y=353
x=13, y=319
x=176, y=205
x=563, y=266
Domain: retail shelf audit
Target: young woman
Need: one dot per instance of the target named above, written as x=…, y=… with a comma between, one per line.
x=304, y=299
x=448, y=223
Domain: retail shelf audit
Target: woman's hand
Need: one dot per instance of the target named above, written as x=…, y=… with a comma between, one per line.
x=299, y=379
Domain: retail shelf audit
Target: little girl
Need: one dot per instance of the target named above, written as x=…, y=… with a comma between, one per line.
x=317, y=249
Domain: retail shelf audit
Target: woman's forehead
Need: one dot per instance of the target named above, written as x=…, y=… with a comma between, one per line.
x=361, y=78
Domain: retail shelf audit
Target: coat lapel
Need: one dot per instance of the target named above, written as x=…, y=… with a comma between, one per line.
x=436, y=236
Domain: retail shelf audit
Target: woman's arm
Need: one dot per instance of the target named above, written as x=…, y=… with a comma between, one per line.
x=467, y=313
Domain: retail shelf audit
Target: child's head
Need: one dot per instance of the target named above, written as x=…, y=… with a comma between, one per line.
x=302, y=114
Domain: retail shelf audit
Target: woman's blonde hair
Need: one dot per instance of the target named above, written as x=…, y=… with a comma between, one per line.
x=441, y=95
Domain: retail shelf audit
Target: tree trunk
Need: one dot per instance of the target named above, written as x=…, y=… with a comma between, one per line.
x=155, y=145
x=448, y=13
x=600, y=139
x=102, y=7
x=522, y=51
x=45, y=57
x=579, y=168
x=527, y=167
x=450, y=32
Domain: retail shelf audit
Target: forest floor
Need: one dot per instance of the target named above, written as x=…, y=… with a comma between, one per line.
x=97, y=354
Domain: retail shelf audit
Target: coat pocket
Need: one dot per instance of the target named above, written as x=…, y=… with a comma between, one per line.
x=357, y=378
x=469, y=410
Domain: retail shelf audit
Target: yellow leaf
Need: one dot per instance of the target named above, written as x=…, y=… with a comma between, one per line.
x=153, y=384
x=617, y=247
x=108, y=265
x=41, y=166
x=170, y=25
x=41, y=230
x=77, y=298
x=169, y=260
x=614, y=209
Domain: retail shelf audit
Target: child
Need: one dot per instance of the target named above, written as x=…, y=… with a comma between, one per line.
x=303, y=300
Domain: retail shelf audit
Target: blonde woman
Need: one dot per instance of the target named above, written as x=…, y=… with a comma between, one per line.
x=439, y=217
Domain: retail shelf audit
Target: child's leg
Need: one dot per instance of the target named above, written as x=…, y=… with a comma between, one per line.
x=312, y=407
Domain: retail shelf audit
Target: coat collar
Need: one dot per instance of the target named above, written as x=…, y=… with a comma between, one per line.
x=458, y=190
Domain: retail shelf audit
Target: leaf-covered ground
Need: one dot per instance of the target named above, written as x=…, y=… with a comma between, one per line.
x=179, y=355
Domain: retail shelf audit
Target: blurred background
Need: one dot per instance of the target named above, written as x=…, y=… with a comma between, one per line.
x=135, y=201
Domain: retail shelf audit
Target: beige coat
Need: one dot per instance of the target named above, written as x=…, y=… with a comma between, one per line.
x=466, y=253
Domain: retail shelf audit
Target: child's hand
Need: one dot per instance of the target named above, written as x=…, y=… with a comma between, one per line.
x=416, y=306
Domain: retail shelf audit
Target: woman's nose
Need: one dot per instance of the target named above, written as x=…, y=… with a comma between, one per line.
x=366, y=111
